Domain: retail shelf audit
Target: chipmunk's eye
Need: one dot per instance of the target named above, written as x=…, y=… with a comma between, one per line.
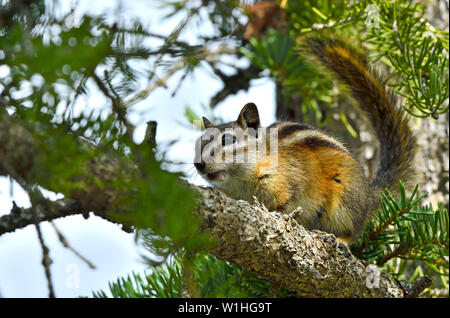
x=228, y=139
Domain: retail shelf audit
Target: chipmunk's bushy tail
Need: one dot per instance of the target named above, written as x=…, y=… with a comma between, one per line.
x=391, y=126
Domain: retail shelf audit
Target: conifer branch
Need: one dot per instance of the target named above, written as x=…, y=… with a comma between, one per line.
x=205, y=54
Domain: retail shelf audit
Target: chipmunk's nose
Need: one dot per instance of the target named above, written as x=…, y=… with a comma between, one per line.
x=200, y=166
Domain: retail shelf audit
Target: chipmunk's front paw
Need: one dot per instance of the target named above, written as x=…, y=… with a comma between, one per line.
x=342, y=244
x=339, y=243
x=326, y=237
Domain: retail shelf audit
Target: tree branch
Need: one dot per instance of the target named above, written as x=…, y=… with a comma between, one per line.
x=234, y=83
x=21, y=217
x=204, y=54
x=274, y=246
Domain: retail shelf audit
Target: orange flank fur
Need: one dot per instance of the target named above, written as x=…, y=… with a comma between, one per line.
x=326, y=167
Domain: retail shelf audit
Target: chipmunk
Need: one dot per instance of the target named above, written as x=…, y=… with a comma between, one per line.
x=310, y=169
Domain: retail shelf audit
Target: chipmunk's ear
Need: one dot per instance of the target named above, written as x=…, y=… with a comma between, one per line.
x=249, y=117
x=207, y=123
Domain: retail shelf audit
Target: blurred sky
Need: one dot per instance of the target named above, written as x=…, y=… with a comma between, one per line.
x=112, y=251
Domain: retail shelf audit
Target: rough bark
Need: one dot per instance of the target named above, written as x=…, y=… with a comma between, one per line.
x=270, y=244
x=274, y=246
x=433, y=134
